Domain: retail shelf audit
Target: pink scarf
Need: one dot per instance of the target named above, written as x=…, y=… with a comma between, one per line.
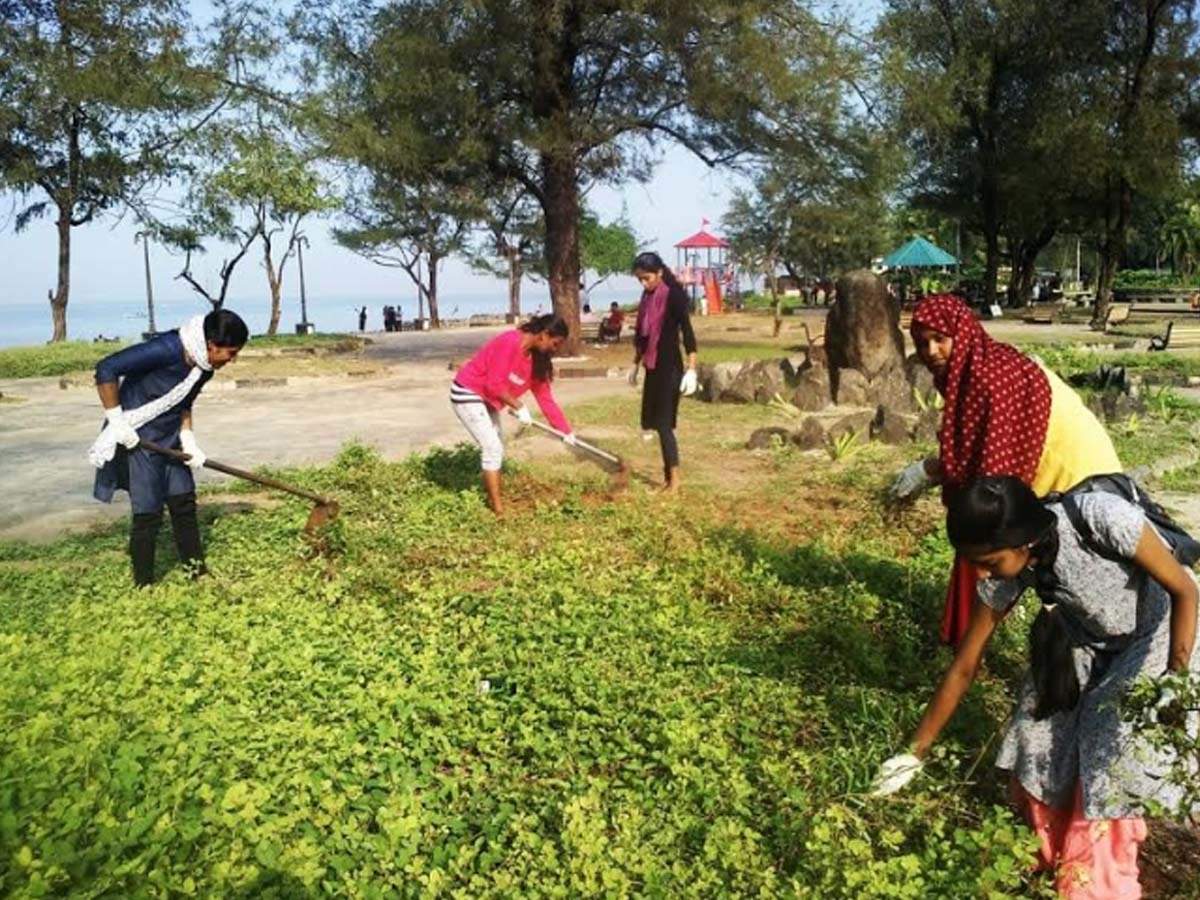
x=651, y=313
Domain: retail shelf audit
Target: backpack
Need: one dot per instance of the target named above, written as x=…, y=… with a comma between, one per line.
x=1184, y=547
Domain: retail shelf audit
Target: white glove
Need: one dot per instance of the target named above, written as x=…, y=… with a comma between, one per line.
x=633, y=375
x=570, y=440
x=523, y=415
x=123, y=433
x=895, y=773
x=688, y=385
x=187, y=441
x=911, y=481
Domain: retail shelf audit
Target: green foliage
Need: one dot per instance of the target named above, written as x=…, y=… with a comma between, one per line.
x=1148, y=278
x=1143, y=707
x=451, y=706
x=606, y=249
x=52, y=359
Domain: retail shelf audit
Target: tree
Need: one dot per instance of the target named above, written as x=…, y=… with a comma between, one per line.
x=413, y=226
x=1144, y=67
x=1179, y=237
x=605, y=250
x=979, y=92
x=555, y=95
x=94, y=96
x=513, y=233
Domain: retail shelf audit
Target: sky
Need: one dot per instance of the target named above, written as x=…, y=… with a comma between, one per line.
x=106, y=261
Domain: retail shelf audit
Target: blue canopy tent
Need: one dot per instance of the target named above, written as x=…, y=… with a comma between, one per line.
x=919, y=254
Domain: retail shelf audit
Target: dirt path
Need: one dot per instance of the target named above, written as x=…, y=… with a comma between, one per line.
x=45, y=480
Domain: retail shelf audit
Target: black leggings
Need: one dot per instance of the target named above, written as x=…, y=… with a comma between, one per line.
x=669, y=447
x=144, y=532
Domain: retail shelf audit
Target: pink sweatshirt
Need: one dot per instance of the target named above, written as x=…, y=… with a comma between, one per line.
x=500, y=367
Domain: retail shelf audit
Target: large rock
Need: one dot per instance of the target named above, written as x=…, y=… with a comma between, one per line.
x=862, y=329
x=890, y=427
x=857, y=422
x=810, y=435
x=928, y=423
x=765, y=438
x=756, y=382
x=851, y=388
x=891, y=387
x=714, y=379
x=812, y=390
x=919, y=377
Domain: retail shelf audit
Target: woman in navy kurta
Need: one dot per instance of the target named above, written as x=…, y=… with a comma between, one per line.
x=147, y=391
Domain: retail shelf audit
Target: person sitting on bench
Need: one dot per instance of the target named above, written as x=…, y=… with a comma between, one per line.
x=610, y=327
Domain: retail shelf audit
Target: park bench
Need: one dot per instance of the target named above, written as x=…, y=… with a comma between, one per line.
x=1041, y=315
x=1118, y=314
x=1177, y=337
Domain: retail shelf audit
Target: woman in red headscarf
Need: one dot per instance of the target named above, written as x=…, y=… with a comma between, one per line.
x=1004, y=415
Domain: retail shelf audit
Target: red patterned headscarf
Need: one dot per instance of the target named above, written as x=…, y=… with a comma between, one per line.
x=997, y=399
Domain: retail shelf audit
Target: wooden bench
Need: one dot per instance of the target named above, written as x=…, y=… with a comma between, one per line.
x=1041, y=315
x=1118, y=314
x=1177, y=337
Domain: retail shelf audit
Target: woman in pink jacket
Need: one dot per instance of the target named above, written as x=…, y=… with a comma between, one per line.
x=505, y=368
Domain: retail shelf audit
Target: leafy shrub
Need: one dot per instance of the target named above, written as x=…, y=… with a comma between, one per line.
x=1151, y=279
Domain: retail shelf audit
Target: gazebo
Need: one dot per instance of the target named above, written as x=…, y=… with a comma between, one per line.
x=918, y=254
x=696, y=268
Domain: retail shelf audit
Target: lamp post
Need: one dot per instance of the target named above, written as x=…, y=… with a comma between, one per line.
x=144, y=237
x=303, y=326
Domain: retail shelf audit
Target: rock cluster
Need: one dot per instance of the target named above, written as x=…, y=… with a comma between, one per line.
x=859, y=381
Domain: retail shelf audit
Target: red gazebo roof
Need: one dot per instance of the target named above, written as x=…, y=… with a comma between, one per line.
x=702, y=240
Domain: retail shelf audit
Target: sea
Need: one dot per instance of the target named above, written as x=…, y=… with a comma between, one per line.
x=30, y=323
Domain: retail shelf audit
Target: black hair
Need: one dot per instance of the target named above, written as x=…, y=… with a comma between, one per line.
x=1052, y=663
x=652, y=262
x=587, y=307
x=543, y=368
x=615, y=305
x=997, y=512
x=225, y=328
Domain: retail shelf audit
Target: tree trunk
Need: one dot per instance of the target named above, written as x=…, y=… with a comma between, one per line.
x=514, y=283
x=991, y=268
x=1112, y=247
x=561, y=209
x=275, y=283
x=434, y=320
x=58, y=300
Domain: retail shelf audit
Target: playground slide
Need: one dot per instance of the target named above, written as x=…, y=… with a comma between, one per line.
x=712, y=294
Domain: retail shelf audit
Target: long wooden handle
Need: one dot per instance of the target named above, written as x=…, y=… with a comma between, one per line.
x=238, y=473
x=603, y=454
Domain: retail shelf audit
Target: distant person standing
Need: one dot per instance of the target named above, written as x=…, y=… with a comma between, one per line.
x=147, y=392
x=362, y=319
x=661, y=320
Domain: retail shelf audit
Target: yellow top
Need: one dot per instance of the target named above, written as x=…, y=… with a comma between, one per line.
x=1077, y=446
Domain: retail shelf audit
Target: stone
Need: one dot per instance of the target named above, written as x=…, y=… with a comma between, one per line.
x=765, y=438
x=891, y=387
x=714, y=379
x=757, y=382
x=810, y=435
x=919, y=377
x=812, y=390
x=928, y=423
x=857, y=422
x=851, y=388
x=862, y=328
x=890, y=427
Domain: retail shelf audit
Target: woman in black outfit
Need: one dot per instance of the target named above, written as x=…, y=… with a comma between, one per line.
x=662, y=317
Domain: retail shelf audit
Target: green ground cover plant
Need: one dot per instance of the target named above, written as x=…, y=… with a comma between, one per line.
x=443, y=708
x=52, y=359
x=620, y=697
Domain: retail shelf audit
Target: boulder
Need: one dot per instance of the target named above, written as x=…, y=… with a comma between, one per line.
x=856, y=422
x=862, y=328
x=851, y=388
x=810, y=435
x=891, y=387
x=919, y=377
x=756, y=382
x=764, y=438
x=927, y=425
x=890, y=427
x=714, y=379
x=812, y=390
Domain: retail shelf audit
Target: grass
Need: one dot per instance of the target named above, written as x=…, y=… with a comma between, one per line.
x=52, y=359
